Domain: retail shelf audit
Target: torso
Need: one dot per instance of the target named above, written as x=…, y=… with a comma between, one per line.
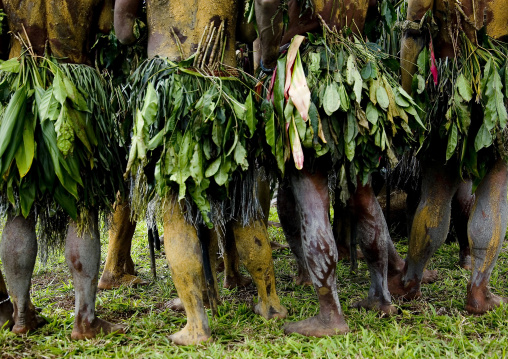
x=67, y=27
x=187, y=20
x=335, y=13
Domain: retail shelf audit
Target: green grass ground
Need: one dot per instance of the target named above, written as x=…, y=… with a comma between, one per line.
x=435, y=326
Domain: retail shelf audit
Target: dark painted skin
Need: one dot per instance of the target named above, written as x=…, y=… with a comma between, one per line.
x=6, y=308
x=65, y=29
x=304, y=194
x=488, y=217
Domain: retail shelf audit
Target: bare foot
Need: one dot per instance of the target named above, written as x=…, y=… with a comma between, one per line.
x=481, y=300
x=109, y=281
x=31, y=321
x=465, y=262
x=429, y=276
x=175, y=305
x=190, y=336
x=318, y=327
x=407, y=291
x=236, y=281
x=377, y=305
x=6, y=311
x=271, y=311
x=303, y=277
x=89, y=331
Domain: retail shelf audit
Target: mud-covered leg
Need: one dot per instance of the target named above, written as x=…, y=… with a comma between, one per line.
x=430, y=227
x=6, y=308
x=232, y=276
x=256, y=255
x=373, y=236
x=313, y=204
x=19, y=251
x=290, y=221
x=462, y=204
x=118, y=262
x=183, y=252
x=486, y=230
x=83, y=254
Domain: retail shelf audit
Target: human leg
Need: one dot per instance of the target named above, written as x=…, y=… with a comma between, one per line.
x=19, y=252
x=83, y=254
x=310, y=191
x=486, y=231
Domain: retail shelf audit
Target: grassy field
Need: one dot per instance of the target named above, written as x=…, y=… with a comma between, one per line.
x=435, y=326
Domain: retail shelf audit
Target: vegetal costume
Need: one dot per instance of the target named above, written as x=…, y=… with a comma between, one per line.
x=194, y=134
x=332, y=94
x=58, y=153
x=465, y=99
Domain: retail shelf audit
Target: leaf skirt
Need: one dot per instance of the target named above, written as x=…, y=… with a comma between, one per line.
x=194, y=138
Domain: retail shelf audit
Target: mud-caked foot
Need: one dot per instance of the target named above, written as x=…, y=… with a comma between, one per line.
x=271, y=311
x=6, y=311
x=465, y=262
x=318, y=327
x=303, y=278
x=175, y=305
x=31, y=322
x=377, y=305
x=480, y=301
x=110, y=282
x=188, y=336
x=89, y=331
x=408, y=291
x=429, y=276
x=236, y=281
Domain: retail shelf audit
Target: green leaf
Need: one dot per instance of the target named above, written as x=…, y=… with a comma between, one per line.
x=464, y=88
x=372, y=113
x=11, y=65
x=77, y=99
x=222, y=176
x=278, y=88
x=213, y=168
x=350, y=128
x=13, y=113
x=344, y=98
x=25, y=153
x=382, y=97
x=367, y=71
x=350, y=68
x=240, y=156
x=150, y=106
x=156, y=140
x=250, y=117
x=196, y=164
x=217, y=134
x=270, y=124
x=331, y=99
x=66, y=201
x=357, y=88
x=483, y=138
x=452, y=142
x=59, y=90
x=27, y=192
x=349, y=148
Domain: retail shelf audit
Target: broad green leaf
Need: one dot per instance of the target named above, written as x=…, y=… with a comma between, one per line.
x=66, y=201
x=213, y=168
x=27, y=192
x=331, y=99
x=344, y=98
x=25, y=153
x=250, y=117
x=217, y=134
x=464, y=88
x=452, y=142
x=11, y=65
x=349, y=148
x=78, y=121
x=278, y=88
x=399, y=99
x=77, y=99
x=59, y=90
x=150, y=106
x=367, y=71
x=372, y=113
x=483, y=138
x=156, y=141
x=240, y=156
x=350, y=127
x=222, y=175
x=357, y=88
x=196, y=164
x=270, y=125
x=13, y=113
x=350, y=67
x=382, y=97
